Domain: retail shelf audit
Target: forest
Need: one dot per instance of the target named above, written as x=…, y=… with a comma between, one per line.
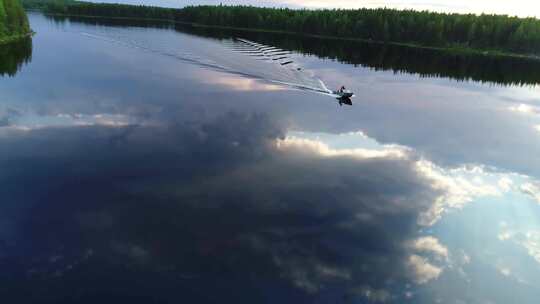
x=493, y=33
x=13, y=21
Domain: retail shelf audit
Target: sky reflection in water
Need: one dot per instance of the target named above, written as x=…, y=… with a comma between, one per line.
x=129, y=175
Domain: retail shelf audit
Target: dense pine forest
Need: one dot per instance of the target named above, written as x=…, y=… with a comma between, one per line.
x=458, y=31
x=411, y=27
x=13, y=21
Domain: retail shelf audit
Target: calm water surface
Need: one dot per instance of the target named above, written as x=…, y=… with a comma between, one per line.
x=156, y=165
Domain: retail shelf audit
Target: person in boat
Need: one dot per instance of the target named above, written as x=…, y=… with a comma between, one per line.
x=342, y=89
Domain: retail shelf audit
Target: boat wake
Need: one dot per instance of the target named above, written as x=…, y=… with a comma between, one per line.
x=237, y=56
x=277, y=65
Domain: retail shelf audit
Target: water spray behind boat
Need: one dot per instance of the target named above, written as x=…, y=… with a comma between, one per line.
x=299, y=77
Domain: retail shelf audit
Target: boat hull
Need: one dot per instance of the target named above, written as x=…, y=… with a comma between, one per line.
x=344, y=94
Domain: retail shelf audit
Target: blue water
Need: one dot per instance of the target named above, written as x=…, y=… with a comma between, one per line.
x=130, y=175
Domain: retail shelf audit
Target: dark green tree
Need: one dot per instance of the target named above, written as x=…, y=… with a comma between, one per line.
x=484, y=32
x=13, y=20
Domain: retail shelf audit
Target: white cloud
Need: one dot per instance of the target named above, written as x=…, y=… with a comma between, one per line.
x=532, y=190
x=29, y=122
x=458, y=188
x=237, y=83
x=529, y=240
x=508, y=272
x=430, y=244
x=322, y=149
x=465, y=258
x=525, y=109
x=422, y=270
x=108, y=120
x=505, y=271
x=421, y=267
x=11, y=129
x=505, y=235
x=505, y=184
x=357, y=133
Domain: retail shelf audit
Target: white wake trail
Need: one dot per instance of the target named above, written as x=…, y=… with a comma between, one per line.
x=239, y=56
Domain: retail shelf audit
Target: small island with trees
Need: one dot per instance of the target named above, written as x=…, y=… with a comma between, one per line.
x=13, y=21
x=484, y=34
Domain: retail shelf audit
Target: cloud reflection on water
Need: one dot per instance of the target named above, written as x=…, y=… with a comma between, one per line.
x=294, y=210
x=201, y=199
x=237, y=83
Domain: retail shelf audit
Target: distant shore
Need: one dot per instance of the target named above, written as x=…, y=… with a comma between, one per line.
x=454, y=50
x=490, y=35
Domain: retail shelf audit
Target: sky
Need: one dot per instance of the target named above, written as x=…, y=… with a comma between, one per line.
x=523, y=8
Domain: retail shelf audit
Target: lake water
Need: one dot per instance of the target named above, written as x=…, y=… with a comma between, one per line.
x=165, y=164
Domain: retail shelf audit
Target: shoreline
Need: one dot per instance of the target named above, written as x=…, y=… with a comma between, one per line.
x=12, y=39
x=455, y=50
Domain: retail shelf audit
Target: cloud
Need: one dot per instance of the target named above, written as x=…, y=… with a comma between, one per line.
x=431, y=245
x=448, y=143
x=235, y=196
x=422, y=268
x=310, y=275
x=465, y=259
x=503, y=236
x=457, y=187
x=231, y=195
x=295, y=144
x=529, y=240
x=423, y=271
x=510, y=272
x=532, y=190
x=505, y=184
x=504, y=271
x=525, y=109
x=237, y=83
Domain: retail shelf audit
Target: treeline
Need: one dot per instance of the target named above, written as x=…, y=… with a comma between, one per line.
x=42, y=4
x=13, y=20
x=484, y=32
x=72, y=7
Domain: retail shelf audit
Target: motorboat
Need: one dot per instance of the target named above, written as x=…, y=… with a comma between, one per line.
x=343, y=93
